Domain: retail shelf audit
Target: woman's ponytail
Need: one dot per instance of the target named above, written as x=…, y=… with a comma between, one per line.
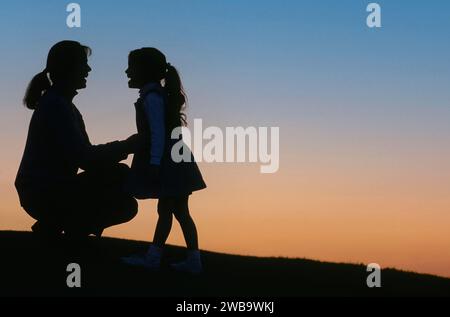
x=176, y=98
x=37, y=86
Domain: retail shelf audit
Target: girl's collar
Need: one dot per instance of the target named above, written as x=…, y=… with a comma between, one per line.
x=152, y=86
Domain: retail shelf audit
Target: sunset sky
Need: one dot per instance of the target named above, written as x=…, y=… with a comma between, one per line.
x=364, y=118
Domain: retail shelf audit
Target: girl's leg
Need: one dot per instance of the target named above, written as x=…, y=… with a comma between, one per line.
x=181, y=212
x=193, y=263
x=164, y=224
x=152, y=259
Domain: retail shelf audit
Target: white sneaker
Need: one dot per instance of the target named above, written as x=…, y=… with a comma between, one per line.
x=192, y=264
x=151, y=260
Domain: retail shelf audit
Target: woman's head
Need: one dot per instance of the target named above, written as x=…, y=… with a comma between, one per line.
x=149, y=64
x=66, y=66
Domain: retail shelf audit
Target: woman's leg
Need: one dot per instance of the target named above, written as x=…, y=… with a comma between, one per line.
x=181, y=212
x=100, y=199
x=164, y=224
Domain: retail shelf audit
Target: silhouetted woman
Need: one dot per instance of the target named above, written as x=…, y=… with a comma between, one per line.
x=49, y=186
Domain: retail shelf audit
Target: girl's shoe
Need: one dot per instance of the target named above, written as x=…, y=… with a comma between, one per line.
x=192, y=264
x=151, y=260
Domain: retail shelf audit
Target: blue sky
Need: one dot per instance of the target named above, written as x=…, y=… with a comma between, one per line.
x=294, y=48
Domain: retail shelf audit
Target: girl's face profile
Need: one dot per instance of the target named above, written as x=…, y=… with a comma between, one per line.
x=135, y=78
x=140, y=72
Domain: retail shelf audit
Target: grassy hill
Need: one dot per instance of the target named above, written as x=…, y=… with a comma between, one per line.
x=30, y=267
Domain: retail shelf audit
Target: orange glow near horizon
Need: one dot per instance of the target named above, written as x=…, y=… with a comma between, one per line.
x=361, y=217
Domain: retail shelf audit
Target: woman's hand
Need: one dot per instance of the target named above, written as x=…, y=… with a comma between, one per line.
x=133, y=143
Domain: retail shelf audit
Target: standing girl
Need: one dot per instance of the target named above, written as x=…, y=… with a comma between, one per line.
x=154, y=174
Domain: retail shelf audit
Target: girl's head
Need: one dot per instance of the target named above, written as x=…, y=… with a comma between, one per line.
x=145, y=65
x=66, y=66
x=149, y=64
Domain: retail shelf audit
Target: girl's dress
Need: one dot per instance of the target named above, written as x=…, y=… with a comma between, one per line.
x=175, y=178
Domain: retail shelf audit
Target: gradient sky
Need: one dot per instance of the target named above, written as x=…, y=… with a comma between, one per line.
x=363, y=114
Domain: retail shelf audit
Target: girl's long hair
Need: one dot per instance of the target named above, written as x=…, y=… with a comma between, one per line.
x=62, y=57
x=176, y=99
x=153, y=66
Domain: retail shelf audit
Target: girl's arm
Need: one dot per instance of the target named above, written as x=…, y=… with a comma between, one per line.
x=154, y=110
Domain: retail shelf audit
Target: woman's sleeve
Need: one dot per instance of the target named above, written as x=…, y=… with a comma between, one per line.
x=73, y=144
x=154, y=110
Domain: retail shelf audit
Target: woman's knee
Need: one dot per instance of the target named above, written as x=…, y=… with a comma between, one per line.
x=128, y=209
x=118, y=171
x=133, y=208
x=104, y=178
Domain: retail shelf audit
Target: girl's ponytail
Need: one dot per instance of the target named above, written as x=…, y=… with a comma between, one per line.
x=176, y=98
x=37, y=86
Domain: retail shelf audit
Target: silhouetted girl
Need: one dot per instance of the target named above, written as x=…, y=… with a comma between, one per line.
x=155, y=174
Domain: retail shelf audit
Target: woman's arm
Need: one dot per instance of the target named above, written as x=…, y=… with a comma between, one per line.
x=74, y=144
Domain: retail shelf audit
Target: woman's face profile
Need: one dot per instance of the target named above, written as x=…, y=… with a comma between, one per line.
x=74, y=73
x=79, y=74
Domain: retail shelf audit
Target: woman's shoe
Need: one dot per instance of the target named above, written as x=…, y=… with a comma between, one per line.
x=46, y=231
